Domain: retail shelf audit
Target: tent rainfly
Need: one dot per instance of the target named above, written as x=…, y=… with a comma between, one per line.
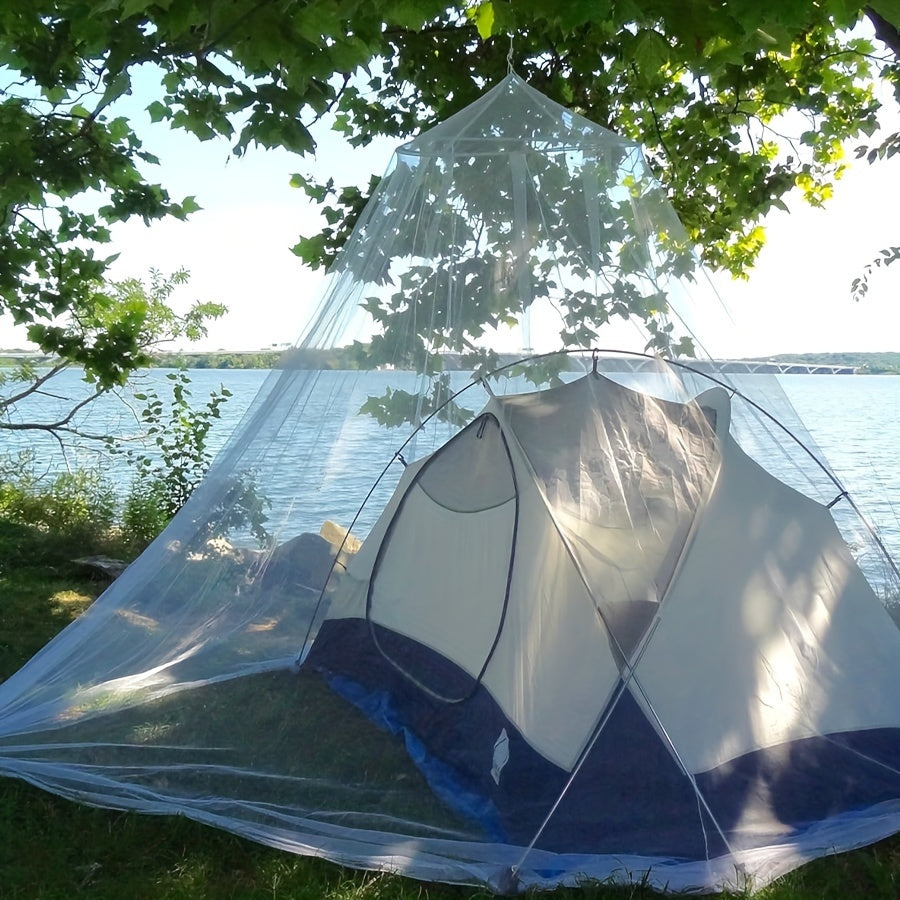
x=623, y=623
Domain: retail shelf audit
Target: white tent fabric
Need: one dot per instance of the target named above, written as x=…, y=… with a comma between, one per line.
x=798, y=641
x=621, y=623
x=588, y=566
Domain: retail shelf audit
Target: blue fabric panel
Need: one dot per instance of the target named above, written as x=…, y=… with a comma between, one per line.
x=380, y=708
x=459, y=737
x=628, y=797
x=631, y=796
x=807, y=780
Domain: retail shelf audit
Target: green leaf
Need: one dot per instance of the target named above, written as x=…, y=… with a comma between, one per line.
x=888, y=9
x=483, y=18
x=158, y=111
x=133, y=8
x=650, y=51
x=189, y=205
x=115, y=88
x=55, y=94
x=411, y=14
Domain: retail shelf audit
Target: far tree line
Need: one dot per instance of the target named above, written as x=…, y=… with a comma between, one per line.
x=349, y=358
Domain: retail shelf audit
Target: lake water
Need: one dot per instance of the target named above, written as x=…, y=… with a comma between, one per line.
x=855, y=421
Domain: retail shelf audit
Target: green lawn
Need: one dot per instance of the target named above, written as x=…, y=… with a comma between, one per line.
x=54, y=848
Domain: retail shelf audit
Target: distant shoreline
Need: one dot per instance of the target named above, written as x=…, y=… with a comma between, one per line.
x=348, y=358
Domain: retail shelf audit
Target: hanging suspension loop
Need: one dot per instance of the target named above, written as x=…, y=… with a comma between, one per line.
x=509, y=57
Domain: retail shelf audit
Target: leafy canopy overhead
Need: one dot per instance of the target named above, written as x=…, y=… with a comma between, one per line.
x=738, y=105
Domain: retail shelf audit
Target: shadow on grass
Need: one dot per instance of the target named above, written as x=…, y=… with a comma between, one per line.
x=41, y=590
x=51, y=848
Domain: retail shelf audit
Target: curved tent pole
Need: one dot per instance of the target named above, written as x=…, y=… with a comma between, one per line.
x=627, y=676
x=631, y=676
x=589, y=746
x=509, y=574
x=843, y=493
x=630, y=666
x=398, y=455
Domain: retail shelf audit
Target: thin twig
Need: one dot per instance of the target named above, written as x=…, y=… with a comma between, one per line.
x=60, y=425
x=34, y=386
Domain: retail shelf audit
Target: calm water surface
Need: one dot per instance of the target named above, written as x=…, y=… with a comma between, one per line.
x=854, y=420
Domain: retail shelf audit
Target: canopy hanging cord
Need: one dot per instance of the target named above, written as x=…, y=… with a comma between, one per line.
x=509, y=57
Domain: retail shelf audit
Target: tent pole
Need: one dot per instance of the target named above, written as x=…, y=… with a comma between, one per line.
x=629, y=675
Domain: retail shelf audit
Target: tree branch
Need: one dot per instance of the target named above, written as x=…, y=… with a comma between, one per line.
x=60, y=425
x=334, y=101
x=33, y=387
x=886, y=32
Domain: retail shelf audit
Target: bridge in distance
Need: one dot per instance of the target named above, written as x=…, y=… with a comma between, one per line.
x=737, y=366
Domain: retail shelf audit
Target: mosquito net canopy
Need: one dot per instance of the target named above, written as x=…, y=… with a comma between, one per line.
x=468, y=597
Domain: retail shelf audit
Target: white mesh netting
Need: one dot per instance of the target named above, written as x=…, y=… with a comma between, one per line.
x=484, y=605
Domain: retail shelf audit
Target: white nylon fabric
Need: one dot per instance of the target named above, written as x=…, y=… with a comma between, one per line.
x=599, y=532
x=623, y=494
x=771, y=601
x=465, y=600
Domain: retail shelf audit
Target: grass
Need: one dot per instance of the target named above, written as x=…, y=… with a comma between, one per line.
x=52, y=848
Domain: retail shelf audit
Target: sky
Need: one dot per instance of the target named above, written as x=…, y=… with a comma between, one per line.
x=237, y=249
x=798, y=297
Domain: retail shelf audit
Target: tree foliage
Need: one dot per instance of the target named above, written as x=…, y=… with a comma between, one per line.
x=109, y=332
x=738, y=104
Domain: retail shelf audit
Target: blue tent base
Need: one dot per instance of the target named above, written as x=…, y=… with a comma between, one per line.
x=629, y=796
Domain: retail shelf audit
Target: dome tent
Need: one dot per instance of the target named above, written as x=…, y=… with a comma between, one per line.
x=609, y=626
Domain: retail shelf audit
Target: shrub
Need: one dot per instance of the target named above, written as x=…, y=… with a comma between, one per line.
x=80, y=505
x=180, y=458
x=144, y=515
x=83, y=504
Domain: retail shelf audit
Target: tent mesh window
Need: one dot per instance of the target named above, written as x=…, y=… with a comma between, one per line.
x=470, y=598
